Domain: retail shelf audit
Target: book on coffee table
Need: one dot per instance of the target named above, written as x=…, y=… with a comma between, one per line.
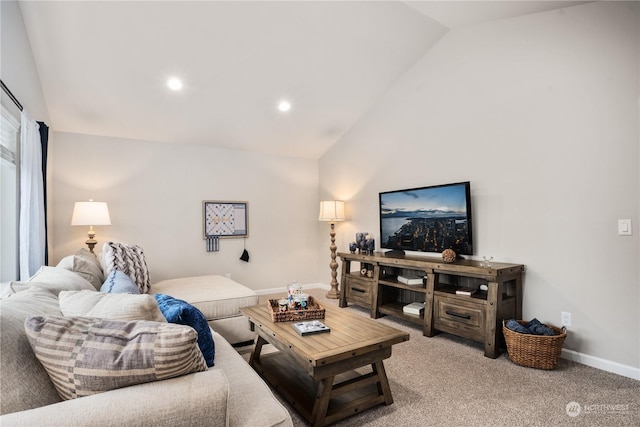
x=310, y=327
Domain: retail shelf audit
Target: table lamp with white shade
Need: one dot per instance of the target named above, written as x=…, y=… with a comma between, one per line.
x=91, y=213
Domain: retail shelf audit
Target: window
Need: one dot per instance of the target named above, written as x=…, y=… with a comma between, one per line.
x=9, y=196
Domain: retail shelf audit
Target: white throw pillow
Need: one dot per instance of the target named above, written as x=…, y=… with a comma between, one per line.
x=66, y=263
x=53, y=279
x=85, y=264
x=110, y=306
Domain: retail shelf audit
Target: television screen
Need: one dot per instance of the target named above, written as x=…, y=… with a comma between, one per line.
x=427, y=219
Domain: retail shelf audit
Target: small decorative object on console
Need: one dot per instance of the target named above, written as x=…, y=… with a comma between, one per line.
x=311, y=327
x=360, y=241
x=370, y=244
x=486, y=262
x=448, y=255
x=365, y=243
x=353, y=247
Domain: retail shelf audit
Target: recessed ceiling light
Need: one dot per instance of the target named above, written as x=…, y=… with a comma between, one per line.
x=174, y=83
x=284, y=106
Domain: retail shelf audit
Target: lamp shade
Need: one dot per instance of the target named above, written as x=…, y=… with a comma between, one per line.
x=331, y=210
x=90, y=213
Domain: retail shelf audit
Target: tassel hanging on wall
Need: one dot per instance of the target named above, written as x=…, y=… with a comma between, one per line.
x=245, y=255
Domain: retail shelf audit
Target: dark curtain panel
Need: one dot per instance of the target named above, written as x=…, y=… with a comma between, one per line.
x=44, y=142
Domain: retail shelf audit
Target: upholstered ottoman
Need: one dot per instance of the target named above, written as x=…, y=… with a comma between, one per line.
x=218, y=298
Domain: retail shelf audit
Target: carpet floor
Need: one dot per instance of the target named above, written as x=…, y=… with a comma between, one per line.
x=446, y=381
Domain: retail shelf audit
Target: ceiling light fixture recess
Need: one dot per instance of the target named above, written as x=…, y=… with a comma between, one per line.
x=284, y=106
x=174, y=83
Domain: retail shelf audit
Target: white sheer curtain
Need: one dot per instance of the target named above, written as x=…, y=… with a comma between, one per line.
x=32, y=228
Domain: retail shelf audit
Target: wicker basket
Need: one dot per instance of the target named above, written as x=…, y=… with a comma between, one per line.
x=313, y=311
x=534, y=351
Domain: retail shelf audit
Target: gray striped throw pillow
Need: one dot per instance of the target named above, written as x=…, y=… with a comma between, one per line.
x=85, y=356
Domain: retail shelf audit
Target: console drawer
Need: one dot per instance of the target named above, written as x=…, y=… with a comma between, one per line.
x=459, y=316
x=359, y=291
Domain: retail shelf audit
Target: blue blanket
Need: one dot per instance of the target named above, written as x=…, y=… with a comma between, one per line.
x=533, y=327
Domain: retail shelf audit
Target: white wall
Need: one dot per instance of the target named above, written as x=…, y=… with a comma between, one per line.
x=540, y=113
x=18, y=69
x=155, y=193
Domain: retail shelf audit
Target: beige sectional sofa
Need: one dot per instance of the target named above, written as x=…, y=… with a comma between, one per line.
x=227, y=394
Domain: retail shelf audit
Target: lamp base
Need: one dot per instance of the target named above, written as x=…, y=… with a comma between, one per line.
x=333, y=293
x=91, y=243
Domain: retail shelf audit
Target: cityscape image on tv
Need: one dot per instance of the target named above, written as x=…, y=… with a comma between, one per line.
x=429, y=219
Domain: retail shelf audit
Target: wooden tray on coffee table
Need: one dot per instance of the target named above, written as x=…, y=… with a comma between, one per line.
x=312, y=312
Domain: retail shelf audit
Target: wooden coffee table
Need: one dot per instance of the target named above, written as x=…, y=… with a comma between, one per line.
x=315, y=373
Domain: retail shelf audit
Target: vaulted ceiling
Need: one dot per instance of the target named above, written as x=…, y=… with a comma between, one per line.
x=103, y=66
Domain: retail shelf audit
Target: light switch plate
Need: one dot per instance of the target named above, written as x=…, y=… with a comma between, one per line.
x=624, y=227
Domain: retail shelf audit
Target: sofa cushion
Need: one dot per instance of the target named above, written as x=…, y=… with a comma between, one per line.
x=54, y=279
x=130, y=260
x=188, y=401
x=86, y=265
x=217, y=297
x=110, y=306
x=85, y=356
x=247, y=390
x=24, y=384
x=183, y=313
x=119, y=283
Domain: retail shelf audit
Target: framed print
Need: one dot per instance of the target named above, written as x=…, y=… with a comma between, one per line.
x=225, y=219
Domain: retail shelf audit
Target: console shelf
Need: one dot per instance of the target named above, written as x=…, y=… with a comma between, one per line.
x=477, y=316
x=395, y=309
x=395, y=284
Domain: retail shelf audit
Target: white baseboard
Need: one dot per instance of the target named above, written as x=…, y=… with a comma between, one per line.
x=574, y=356
x=602, y=364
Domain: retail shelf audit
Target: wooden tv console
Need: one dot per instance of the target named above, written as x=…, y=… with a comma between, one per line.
x=478, y=316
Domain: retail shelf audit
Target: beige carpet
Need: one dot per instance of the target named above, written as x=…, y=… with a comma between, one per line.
x=447, y=381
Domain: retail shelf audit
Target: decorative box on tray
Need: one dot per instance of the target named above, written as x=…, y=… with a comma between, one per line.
x=313, y=311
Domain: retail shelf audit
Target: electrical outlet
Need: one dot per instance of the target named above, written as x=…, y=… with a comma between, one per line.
x=565, y=319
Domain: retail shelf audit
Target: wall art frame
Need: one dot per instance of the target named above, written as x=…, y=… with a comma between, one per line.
x=225, y=219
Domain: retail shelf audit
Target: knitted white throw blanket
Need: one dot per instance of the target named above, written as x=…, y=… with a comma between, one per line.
x=130, y=260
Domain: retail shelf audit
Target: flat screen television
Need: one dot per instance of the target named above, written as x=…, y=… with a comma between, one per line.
x=427, y=219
